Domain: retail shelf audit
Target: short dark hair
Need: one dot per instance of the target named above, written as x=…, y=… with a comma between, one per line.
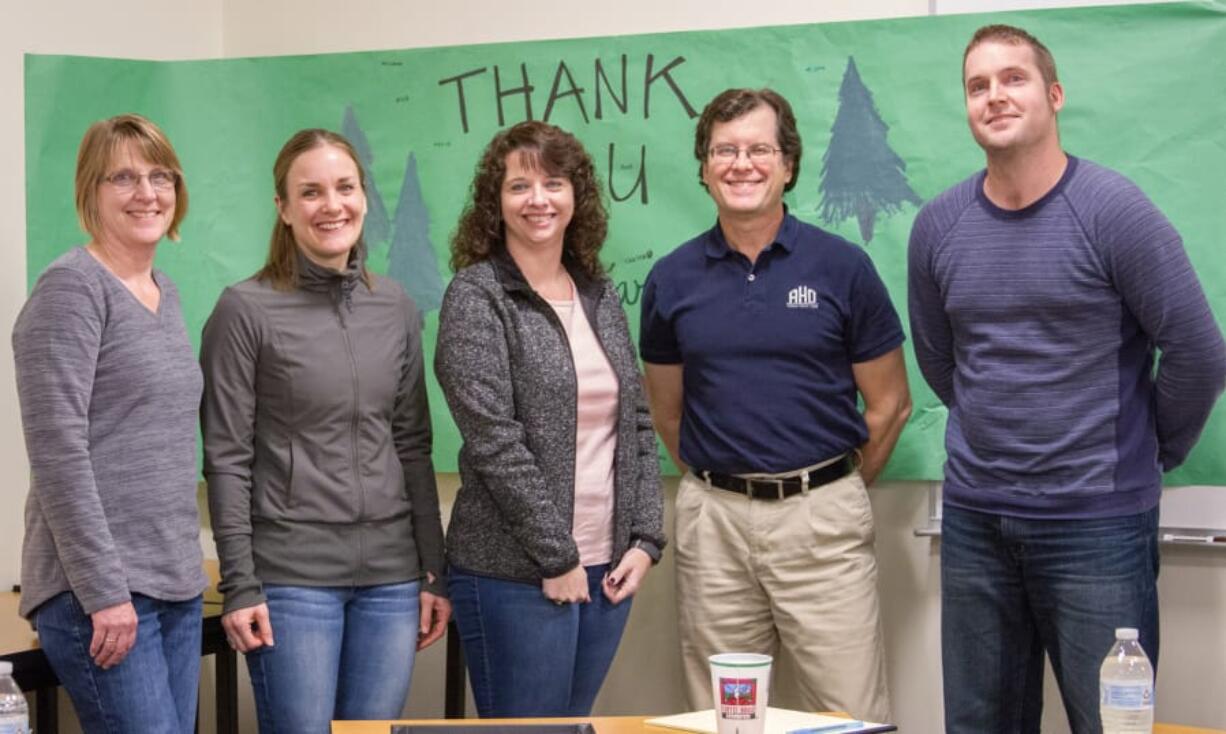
x=1014, y=36
x=481, y=231
x=730, y=104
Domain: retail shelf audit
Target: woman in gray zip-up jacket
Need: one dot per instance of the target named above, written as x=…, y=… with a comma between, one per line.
x=317, y=454
x=559, y=514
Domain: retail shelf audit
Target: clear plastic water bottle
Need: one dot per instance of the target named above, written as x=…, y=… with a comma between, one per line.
x=1126, y=687
x=14, y=713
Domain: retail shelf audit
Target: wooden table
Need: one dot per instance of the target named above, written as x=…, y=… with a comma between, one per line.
x=602, y=724
x=19, y=644
x=612, y=725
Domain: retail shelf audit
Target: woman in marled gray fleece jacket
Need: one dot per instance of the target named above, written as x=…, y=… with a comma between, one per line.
x=523, y=375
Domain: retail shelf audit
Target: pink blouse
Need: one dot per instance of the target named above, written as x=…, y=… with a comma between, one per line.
x=595, y=436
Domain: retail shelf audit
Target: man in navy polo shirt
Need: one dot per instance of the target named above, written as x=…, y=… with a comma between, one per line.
x=1038, y=290
x=757, y=337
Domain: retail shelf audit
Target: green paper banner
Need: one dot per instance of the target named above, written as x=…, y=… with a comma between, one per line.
x=879, y=105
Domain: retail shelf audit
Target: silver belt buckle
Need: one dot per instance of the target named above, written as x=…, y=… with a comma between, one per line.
x=766, y=480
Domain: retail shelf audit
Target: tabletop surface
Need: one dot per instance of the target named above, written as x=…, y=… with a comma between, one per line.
x=602, y=724
x=610, y=725
x=16, y=634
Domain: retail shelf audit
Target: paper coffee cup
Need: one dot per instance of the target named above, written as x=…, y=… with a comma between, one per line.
x=740, y=682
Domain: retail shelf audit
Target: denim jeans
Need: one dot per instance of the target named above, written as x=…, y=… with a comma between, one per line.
x=527, y=656
x=152, y=691
x=341, y=652
x=1013, y=588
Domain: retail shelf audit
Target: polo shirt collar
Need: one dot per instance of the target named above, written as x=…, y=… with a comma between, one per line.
x=789, y=233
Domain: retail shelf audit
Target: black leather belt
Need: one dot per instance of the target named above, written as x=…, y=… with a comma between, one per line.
x=777, y=489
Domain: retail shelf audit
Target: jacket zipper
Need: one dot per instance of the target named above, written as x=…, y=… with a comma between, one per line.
x=353, y=440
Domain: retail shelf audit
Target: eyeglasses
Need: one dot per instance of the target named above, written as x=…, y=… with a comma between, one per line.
x=757, y=153
x=127, y=180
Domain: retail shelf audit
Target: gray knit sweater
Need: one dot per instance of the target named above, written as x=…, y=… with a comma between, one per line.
x=109, y=394
x=505, y=366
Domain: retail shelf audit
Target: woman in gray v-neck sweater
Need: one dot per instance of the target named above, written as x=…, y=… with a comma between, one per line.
x=109, y=388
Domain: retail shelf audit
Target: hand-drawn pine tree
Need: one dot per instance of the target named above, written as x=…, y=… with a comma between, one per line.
x=411, y=259
x=861, y=174
x=376, y=226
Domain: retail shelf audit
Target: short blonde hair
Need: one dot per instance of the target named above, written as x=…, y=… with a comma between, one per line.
x=102, y=141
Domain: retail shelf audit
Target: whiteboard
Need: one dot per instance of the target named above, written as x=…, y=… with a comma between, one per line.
x=1194, y=507
x=1193, y=515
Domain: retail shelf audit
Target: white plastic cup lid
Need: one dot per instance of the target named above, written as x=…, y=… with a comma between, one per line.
x=1126, y=633
x=740, y=660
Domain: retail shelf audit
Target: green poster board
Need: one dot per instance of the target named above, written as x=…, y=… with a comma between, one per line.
x=881, y=98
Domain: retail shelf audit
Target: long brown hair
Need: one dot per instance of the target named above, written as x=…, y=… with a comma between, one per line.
x=481, y=231
x=281, y=268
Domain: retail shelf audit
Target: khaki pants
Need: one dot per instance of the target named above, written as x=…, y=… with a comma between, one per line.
x=796, y=576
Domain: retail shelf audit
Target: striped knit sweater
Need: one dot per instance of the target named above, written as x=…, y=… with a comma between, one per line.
x=1038, y=328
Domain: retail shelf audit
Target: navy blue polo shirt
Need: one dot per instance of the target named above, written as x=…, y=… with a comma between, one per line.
x=768, y=347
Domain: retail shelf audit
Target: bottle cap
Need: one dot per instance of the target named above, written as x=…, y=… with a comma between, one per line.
x=6, y=667
x=1126, y=633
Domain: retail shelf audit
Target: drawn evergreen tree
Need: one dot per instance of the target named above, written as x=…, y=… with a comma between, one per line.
x=861, y=174
x=411, y=259
x=377, y=226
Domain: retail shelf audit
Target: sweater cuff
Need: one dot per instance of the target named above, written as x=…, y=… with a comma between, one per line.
x=561, y=566
x=652, y=550
x=243, y=598
x=438, y=586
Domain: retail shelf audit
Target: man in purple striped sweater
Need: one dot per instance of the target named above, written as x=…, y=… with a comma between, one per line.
x=1039, y=290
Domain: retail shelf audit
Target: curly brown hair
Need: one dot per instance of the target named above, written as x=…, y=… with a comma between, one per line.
x=730, y=104
x=481, y=231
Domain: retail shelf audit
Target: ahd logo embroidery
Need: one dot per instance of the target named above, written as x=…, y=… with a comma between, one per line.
x=802, y=296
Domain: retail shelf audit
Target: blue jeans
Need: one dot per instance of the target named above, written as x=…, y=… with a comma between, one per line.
x=341, y=652
x=526, y=655
x=153, y=690
x=1013, y=588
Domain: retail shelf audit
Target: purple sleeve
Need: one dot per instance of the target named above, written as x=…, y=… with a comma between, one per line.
x=931, y=333
x=1147, y=264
